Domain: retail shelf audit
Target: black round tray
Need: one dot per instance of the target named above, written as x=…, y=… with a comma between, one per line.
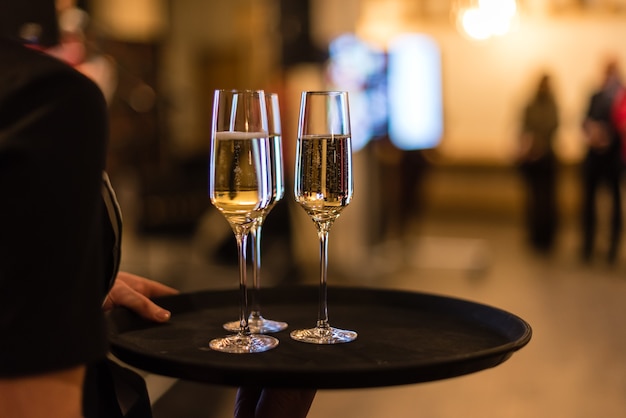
x=403, y=338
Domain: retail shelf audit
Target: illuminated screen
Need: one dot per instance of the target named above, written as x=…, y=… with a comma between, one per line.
x=395, y=93
x=415, y=103
x=361, y=70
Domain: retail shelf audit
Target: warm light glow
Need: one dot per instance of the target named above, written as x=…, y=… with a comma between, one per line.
x=503, y=8
x=474, y=24
x=136, y=20
x=381, y=21
x=489, y=18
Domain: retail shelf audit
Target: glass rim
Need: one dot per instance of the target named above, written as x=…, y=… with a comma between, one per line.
x=325, y=92
x=241, y=91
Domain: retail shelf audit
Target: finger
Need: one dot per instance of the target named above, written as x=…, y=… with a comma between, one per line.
x=245, y=402
x=161, y=289
x=124, y=295
x=151, y=288
x=147, y=287
x=284, y=403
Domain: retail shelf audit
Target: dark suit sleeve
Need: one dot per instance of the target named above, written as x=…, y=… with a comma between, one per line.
x=53, y=130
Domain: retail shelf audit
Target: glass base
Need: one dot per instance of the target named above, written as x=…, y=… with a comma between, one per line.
x=257, y=325
x=252, y=343
x=323, y=335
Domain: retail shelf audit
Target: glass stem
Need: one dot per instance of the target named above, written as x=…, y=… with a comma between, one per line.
x=255, y=234
x=243, y=294
x=322, y=315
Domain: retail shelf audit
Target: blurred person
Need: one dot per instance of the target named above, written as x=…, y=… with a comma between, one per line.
x=82, y=53
x=602, y=163
x=538, y=164
x=60, y=242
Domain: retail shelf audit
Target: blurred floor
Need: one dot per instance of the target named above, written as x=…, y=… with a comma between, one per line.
x=574, y=366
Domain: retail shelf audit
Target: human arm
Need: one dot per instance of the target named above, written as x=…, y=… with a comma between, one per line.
x=52, y=150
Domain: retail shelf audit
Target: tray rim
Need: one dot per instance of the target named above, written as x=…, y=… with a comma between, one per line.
x=472, y=362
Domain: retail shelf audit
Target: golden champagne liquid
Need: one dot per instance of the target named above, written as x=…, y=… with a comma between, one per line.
x=242, y=188
x=323, y=184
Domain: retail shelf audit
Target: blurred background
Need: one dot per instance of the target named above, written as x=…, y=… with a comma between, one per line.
x=438, y=90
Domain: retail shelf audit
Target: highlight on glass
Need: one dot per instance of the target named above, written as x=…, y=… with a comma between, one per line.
x=240, y=187
x=323, y=188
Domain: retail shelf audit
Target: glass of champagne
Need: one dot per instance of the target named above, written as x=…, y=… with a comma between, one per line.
x=256, y=321
x=240, y=187
x=323, y=187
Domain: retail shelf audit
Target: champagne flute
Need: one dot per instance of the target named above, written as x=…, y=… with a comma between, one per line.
x=240, y=188
x=256, y=321
x=323, y=187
